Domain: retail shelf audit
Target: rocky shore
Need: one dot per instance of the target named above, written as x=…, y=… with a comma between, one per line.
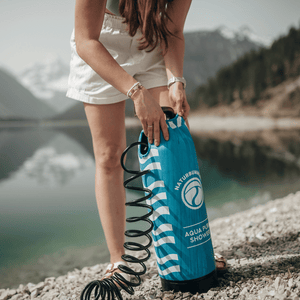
x=260, y=244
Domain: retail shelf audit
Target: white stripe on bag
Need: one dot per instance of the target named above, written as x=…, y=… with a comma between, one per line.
x=164, y=240
x=166, y=258
x=163, y=228
x=152, y=153
x=167, y=271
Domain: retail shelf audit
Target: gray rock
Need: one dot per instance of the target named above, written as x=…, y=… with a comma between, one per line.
x=277, y=283
x=4, y=295
x=168, y=296
x=186, y=295
x=34, y=293
x=178, y=295
x=50, y=279
x=291, y=283
x=239, y=253
x=38, y=287
x=16, y=297
x=272, y=293
x=254, y=241
x=244, y=291
x=7, y=294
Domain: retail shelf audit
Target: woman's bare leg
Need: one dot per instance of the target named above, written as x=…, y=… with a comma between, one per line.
x=107, y=125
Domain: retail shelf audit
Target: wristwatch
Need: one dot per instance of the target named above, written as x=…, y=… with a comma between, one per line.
x=177, y=79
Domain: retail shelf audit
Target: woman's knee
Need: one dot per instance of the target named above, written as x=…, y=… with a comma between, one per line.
x=108, y=157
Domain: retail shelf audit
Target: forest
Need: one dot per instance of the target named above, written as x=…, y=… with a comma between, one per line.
x=252, y=73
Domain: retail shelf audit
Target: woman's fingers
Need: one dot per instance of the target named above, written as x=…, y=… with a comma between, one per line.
x=151, y=116
x=154, y=130
x=178, y=101
x=164, y=127
x=178, y=108
x=150, y=133
x=156, y=133
x=186, y=109
x=145, y=128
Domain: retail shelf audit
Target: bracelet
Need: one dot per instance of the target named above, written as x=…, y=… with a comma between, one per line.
x=133, y=89
x=177, y=79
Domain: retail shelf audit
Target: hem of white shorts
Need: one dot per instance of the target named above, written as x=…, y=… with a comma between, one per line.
x=77, y=95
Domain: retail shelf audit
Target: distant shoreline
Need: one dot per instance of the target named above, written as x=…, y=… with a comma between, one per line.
x=198, y=123
x=203, y=123
x=129, y=122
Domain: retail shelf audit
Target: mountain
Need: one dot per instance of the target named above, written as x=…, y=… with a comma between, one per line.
x=48, y=80
x=253, y=78
x=16, y=102
x=207, y=51
x=76, y=112
x=244, y=32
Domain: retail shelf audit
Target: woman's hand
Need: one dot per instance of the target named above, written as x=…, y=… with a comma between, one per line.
x=178, y=100
x=151, y=116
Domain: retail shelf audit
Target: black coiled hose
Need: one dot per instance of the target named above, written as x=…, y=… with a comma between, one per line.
x=109, y=287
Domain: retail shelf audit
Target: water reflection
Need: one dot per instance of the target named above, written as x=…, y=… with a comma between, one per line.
x=47, y=202
x=17, y=145
x=47, y=166
x=253, y=157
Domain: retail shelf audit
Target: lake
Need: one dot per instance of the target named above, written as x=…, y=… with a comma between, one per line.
x=49, y=222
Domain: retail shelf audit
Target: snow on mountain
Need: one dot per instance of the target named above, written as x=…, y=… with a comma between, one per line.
x=244, y=32
x=44, y=78
x=48, y=80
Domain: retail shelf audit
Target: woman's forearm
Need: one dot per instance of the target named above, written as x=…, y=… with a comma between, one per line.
x=89, y=17
x=101, y=61
x=174, y=66
x=177, y=11
x=175, y=56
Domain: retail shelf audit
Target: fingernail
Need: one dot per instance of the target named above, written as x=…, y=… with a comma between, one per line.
x=167, y=138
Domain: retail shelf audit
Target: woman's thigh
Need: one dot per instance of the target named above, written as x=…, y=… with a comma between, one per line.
x=107, y=125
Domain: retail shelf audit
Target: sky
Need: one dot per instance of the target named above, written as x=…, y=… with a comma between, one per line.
x=33, y=30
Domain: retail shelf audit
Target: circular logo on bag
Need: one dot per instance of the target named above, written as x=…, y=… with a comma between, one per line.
x=192, y=193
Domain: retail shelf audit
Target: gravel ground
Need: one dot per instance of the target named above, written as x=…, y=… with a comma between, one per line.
x=260, y=244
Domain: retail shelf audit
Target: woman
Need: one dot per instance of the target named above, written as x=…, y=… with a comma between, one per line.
x=132, y=49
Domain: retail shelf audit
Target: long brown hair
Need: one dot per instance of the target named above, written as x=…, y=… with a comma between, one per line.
x=151, y=17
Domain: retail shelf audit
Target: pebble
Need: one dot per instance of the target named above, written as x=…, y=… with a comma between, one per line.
x=277, y=283
x=261, y=246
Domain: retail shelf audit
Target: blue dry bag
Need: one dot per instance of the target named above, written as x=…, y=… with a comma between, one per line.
x=181, y=233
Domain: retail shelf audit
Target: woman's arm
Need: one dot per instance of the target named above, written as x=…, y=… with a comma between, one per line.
x=89, y=15
x=177, y=11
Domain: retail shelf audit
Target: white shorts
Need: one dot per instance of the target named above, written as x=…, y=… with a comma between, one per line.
x=146, y=67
